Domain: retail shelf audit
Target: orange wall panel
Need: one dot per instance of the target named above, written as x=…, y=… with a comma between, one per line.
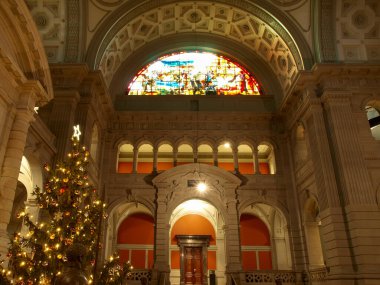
x=164, y=165
x=228, y=166
x=125, y=167
x=175, y=259
x=138, y=259
x=192, y=225
x=246, y=168
x=253, y=231
x=249, y=260
x=264, y=168
x=144, y=167
x=136, y=229
x=211, y=260
x=265, y=260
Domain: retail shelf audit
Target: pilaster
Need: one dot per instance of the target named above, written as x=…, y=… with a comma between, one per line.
x=12, y=160
x=354, y=182
x=339, y=258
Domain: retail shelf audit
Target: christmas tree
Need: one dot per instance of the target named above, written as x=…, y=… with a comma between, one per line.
x=73, y=213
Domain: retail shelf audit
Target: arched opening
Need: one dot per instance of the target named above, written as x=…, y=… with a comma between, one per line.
x=205, y=154
x=94, y=142
x=196, y=218
x=266, y=158
x=164, y=157
x=135, y=240
x=264, y=238
x=125, y=159
x=185, y=154
x=225, y=157
x=245, y=158
x=312, y=225
x=255, y=243
x=145, y=159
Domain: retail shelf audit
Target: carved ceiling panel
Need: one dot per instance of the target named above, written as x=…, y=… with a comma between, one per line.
x=358, y=30
x=202, y=17
x=50, y=18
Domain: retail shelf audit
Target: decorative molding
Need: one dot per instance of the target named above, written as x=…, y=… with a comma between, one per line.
x=73, y=49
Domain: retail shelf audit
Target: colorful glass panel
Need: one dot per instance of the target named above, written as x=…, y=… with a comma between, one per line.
x=193, y=73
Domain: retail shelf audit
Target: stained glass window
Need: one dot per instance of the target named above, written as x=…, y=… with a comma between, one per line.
x=193, y=73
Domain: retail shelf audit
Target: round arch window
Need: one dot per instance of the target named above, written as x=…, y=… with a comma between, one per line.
x=193, y=73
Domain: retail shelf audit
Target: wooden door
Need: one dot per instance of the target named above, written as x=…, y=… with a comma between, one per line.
x=193, y=265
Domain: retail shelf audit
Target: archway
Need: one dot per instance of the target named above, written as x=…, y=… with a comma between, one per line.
x=200, y=227
x=264, y=238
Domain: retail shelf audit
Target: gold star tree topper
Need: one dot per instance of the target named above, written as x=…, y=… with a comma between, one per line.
x=77, y=132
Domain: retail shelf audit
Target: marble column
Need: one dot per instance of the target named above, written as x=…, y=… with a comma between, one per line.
x=135, y=159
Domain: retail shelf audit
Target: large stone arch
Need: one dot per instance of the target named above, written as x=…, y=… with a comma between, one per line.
x=173, y=184
x=273, y=37
x=21, y=51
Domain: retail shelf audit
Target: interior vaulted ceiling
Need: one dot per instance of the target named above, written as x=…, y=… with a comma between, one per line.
x=251, y=30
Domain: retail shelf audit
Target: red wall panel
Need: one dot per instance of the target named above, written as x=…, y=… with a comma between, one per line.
x=138, y=259
x=249, y=260
x=124, y=255
x=265, y=259
x=253, y=231
x=136, y=229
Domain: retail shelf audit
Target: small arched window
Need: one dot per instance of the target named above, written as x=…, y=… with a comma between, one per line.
x=267, y=162
x=205, y=154
x=125, y=160
x=245, y=158
x=225, y=157
x=164, y=157
x=185, y=154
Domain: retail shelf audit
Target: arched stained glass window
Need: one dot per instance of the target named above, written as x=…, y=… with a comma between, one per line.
x=193, y=73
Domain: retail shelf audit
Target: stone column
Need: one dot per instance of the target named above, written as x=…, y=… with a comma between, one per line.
x=135, y=159
x=215, y=157
x=256, y=158
x=175, y=156
x=195, y=153
x=338, y=257
x=235, y=158
x=161, y=250
x=232, y=235
x=354, y=184
x=155, y=159
x=23, y=116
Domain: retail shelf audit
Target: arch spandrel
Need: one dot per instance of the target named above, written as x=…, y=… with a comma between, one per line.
x=173, y=185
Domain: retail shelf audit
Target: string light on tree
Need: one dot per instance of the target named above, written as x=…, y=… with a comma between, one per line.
x=74, y=211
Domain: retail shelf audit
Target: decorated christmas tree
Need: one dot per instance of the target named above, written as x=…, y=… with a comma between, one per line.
x=71, y=212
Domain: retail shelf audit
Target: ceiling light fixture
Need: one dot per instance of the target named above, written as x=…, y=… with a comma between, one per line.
x=202, y=187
